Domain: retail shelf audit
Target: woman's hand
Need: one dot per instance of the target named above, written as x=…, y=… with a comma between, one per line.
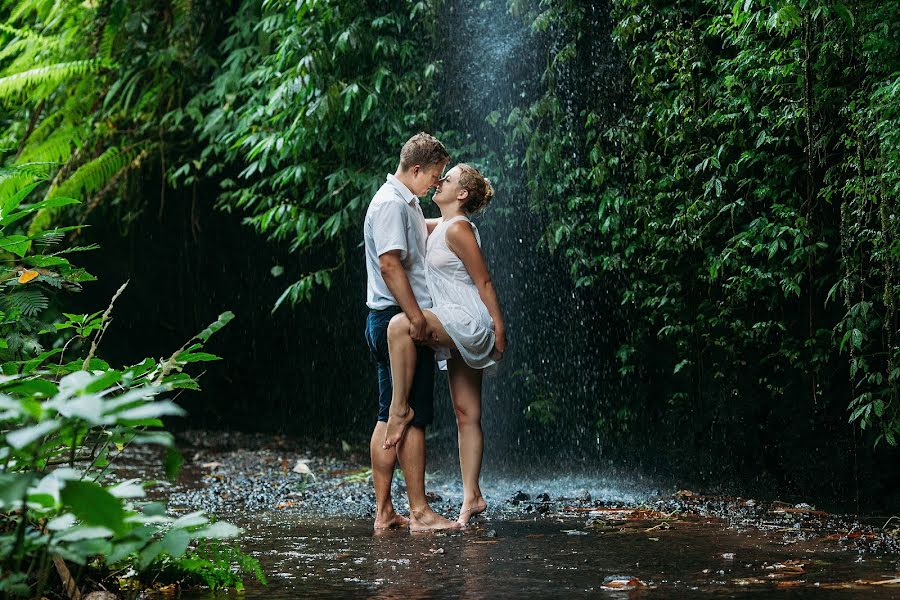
x=500, y=342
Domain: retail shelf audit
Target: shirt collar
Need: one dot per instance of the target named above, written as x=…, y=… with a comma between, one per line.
x=398, y=185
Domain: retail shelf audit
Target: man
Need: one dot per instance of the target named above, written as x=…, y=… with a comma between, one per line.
x=395, y=234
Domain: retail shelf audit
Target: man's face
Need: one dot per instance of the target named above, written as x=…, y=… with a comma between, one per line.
x=425, y=179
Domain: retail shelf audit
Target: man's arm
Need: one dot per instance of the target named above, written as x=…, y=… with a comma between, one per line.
x=398, y=283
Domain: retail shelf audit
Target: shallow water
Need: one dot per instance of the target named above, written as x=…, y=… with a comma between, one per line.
x=544, y=557
x=560, y=536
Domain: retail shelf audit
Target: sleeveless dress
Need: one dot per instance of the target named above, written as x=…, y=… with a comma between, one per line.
x=456, y=302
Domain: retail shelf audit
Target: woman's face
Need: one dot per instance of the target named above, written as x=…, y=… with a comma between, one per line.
x=448, y=190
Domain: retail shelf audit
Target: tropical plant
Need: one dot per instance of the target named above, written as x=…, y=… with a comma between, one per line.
x=742, y=194
x=297, y=122
x=66, y=416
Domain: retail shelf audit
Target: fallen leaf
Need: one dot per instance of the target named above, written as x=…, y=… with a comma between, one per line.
x=211, y=465
x=574, y=532
x=622, y=583
x=303, y=469
x=27, y=276
x=684, y=494
x=894, y=581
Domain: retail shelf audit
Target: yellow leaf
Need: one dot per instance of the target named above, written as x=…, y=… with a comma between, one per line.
x=27, y=276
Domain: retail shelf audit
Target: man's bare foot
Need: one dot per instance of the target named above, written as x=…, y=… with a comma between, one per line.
x=471, y=509
x=396, y=427
x=390, y=521
x=428, y=520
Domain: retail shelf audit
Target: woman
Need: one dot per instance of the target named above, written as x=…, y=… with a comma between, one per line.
x=465, y=324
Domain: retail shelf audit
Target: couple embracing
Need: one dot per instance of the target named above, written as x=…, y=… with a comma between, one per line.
x=430, y=298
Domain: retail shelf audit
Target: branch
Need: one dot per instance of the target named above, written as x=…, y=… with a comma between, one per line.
x=103, y=320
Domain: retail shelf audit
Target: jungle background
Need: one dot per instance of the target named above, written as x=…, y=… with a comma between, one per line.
x=694, y=235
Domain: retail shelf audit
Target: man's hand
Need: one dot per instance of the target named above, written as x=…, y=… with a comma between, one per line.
x=417, y=328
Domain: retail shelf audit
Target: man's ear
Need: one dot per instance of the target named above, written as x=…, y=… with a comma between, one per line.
x=415, y=170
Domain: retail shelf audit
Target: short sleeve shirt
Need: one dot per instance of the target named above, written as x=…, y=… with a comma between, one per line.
x=394, y=221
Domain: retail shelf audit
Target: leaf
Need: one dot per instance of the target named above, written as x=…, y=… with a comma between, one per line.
x=27, y=276
x=217, y=531
x=93, y=505
x=176, y=542
x=20, y=438
x=17, y=244
x=173, y=462
x=150, y=410
x=844, y=13
x=12, y=489
x=223, y=320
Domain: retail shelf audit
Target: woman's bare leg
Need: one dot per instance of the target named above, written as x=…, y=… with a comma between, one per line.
x=465, y=390
x=402, y=351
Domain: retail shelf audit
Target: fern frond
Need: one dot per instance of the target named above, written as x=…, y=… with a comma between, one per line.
x=25, y=37
x=35, y=171
x=19, y=83
x=42, y=9
x=48, y=239
x=93, y=175
x=57, y=147
x=18, y=343
x=108, y=43
x=26, y=302
x=46, y=127
x=13, y=179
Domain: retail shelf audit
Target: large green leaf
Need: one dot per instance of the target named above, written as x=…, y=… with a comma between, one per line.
x=93, y=505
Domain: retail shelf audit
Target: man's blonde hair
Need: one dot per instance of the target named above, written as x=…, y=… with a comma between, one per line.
x=424, y=150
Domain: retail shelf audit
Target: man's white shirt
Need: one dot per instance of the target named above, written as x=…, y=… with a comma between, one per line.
x=394, y=221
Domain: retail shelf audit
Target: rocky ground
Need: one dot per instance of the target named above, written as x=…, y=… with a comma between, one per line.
x=232, y=473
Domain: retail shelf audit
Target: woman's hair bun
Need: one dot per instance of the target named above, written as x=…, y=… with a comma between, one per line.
x=479, y=187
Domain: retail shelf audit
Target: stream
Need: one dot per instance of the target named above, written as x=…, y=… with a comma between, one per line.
x=306, y=514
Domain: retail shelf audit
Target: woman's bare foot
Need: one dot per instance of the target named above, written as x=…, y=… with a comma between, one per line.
x=390, y=520
x=396, y=427
x=428, y=520
x=471, y=509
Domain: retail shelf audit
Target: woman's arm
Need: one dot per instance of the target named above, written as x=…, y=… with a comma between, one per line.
x=431, y=224
x=461, y=240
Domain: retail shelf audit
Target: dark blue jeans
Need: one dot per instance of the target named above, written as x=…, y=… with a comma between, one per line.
x=421, y=395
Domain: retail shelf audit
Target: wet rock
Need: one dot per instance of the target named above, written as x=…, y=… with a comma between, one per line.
x=584, y=496
x=521, y=496
x=544, y=498
x=492, y=533
x=432, y=497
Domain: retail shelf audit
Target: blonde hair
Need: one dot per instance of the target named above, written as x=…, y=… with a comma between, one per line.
x=424, y=150
x=479, y=187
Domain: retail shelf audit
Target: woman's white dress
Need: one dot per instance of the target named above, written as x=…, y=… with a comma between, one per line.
x=456, y=302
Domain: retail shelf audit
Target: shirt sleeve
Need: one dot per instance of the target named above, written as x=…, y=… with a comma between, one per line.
x=389, y=229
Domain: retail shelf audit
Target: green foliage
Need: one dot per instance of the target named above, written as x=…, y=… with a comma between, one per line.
x=66, y=416
x=87, y=86
x=745, y=191
x=296, y=123
x=30, y=274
